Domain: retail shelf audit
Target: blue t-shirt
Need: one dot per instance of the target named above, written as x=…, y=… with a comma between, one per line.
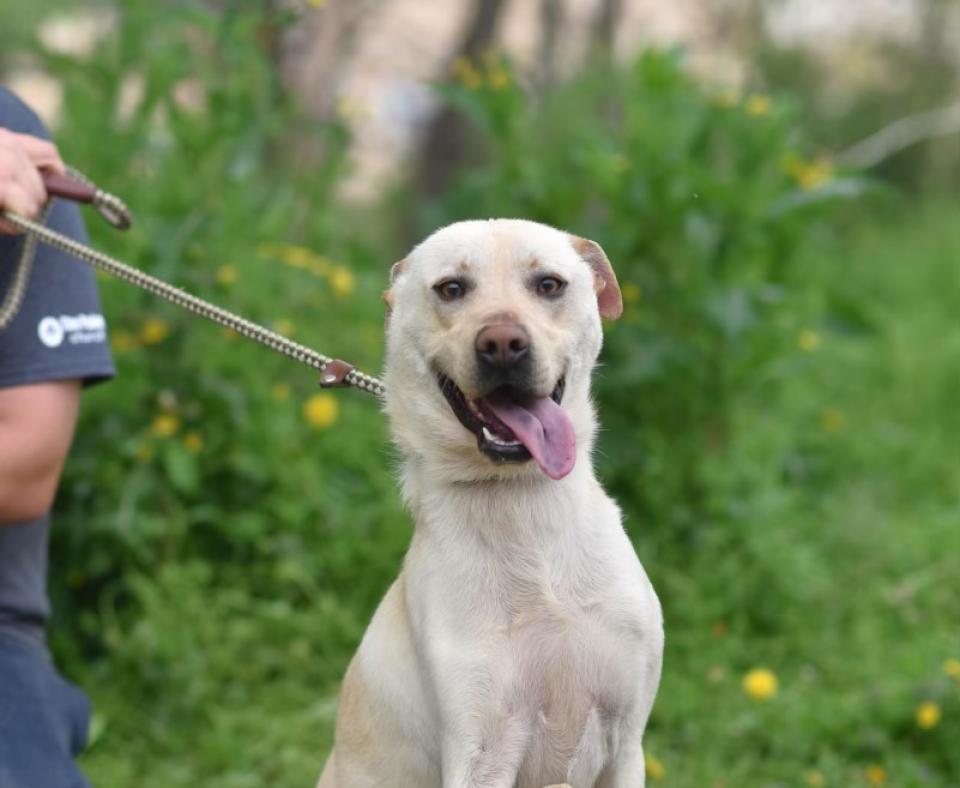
x=58, y=334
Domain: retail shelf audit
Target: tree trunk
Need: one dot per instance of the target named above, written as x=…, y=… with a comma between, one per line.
x=605, y=29
x=446, y=139
x=551, y=20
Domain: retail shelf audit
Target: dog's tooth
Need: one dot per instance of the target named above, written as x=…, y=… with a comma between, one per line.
x=492, y=438
x=498, y=441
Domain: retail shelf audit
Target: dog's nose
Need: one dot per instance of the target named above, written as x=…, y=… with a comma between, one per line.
x=503, y=344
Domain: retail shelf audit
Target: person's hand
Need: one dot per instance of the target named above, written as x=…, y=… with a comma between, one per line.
x=21, y=188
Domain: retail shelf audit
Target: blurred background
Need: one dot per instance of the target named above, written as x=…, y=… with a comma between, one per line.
x=777, y=185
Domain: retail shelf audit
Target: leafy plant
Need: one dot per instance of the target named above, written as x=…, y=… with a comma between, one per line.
x=206, y=448
x=703, y=201
x=779, y=414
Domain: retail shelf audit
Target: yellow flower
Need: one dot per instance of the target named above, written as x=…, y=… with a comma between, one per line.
x=193, y=440
x=952, y=668
x=310, y=261
x=154, y=331
x=808, y=340
x=467, y=73
x=227, y=274
x=499, y=77
x=928, y=715
x=630, y=293
x=342, y=281
x=321, y=410
x=122, y=341
x=284, y=327
x=832, y=420
x=807, y=174
x=875, y=774
x=655, y=768
x=815, y=174
x=295, y=256
x=757, y=105
x=165, y=425
x=815, y=779
x=280, y=392
x=760, y=684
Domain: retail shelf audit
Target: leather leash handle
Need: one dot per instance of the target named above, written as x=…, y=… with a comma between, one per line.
x=68, y=188
x=108, y=206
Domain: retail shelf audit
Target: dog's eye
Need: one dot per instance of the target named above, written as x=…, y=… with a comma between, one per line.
x=550, y=285
x=451, y=289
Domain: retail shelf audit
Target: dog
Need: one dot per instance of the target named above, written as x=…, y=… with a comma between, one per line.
x=521, y=645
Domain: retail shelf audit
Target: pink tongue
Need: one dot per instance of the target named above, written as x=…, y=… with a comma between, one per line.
x=544, y=428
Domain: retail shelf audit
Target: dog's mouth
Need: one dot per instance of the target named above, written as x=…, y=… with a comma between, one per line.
x=513, y=426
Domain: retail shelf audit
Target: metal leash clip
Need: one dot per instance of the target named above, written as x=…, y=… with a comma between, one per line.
x=334, y=374
x=74, y=186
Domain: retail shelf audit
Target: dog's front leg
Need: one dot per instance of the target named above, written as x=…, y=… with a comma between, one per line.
x=629, y=769
x=475, y=761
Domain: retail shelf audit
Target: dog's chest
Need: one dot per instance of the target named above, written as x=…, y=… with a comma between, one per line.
x=573, y=673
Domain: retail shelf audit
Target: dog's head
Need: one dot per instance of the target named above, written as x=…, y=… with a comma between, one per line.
x=493, y=331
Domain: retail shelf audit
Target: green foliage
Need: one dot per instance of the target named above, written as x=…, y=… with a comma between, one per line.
x=702, y=202
x=833, y=567
x=784, y=449
x=893, y=81
x=208, y=450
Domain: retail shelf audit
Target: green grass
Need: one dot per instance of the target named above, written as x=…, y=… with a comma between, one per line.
x=840, y=577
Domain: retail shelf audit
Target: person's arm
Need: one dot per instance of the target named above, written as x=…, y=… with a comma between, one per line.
x=37, y=420
x=36, y=428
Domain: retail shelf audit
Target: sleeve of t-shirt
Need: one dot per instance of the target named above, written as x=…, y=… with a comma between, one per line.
x=59, y=332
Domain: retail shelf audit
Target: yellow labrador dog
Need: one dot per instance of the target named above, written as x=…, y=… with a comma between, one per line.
x=521, y=644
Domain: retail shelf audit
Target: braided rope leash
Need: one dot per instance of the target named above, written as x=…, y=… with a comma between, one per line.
x=334, y=372
x=11, y=302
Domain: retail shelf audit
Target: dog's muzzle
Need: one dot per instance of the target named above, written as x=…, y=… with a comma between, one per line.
x=514, y=426
x=504, y=356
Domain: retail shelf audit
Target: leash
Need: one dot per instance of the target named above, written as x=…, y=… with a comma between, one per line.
x=334, y=373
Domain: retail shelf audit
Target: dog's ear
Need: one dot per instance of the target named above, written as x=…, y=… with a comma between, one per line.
x=609, y=300
x=395, y=270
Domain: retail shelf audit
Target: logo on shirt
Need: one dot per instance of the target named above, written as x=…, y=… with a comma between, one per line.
x=83, y=329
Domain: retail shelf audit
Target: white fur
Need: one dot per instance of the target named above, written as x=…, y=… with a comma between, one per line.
x=521, y=644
